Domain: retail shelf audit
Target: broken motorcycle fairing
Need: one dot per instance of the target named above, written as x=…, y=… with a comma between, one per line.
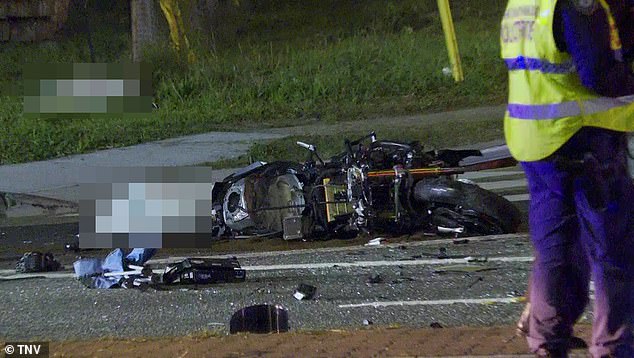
x=203, y=271
x=373, y=186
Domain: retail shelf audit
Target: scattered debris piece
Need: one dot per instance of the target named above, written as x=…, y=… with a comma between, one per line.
x=203, y=271
x=36, y=261
x=367, y=322
x=27, y=242
x=260, y=319
x=402, y=279
x=305, y=292
x=374, y=279
x=514, y=294
x=460, y=242
x=476, y=259
x=374, y=242
x=72, y=246
x=479, y=279
x=435, y=325
x=443, y=253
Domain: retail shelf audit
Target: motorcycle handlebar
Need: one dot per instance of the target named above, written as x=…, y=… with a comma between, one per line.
x=306, y=145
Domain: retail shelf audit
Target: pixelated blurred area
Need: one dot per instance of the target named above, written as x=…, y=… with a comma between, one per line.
x=87, y=88
x=145, y=207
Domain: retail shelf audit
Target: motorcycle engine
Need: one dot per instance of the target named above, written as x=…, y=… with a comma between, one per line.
x=234, y=207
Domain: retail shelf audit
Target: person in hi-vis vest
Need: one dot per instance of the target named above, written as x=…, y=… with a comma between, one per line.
x=570, y=106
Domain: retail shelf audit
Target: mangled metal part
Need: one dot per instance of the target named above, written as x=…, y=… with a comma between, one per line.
x=305, y=292
x=235, y=208
x=260, y=319
x=203, y=271
x=36, y=261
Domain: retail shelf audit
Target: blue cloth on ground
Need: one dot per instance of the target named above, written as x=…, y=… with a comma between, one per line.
x=94, y=268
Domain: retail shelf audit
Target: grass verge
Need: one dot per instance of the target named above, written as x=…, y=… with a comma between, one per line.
x=285, y=63
x=329, y=139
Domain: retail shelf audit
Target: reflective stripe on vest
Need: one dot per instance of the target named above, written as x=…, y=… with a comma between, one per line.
x=567, y=109
x=535, y=64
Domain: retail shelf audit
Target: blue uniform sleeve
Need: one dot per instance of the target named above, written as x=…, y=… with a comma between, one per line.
x=587, y=40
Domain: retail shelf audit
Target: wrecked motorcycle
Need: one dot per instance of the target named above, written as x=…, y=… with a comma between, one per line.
x=373, y=186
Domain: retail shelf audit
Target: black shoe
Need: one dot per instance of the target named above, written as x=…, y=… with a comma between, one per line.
x=552, y=353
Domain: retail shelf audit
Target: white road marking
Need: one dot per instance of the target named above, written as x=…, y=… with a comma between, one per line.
x=322, y=265
x=480, y=301
x=517, y=197
x=503, y=184
x=521, y=236
x=489, y=174
x=9, y=274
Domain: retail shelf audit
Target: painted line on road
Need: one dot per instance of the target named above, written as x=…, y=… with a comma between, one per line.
x=503, y=184
x=489, y=174
x=473, y=239
x=323, y=265
x=479, y=301
x=10, y=274
x=517, y=197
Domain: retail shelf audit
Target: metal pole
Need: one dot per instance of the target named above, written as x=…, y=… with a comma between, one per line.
x=450, y=38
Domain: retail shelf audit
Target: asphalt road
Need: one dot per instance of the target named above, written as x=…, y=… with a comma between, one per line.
x=414, y=289
x=413, y=281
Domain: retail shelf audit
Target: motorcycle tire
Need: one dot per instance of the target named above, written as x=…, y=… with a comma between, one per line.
x=455, y=203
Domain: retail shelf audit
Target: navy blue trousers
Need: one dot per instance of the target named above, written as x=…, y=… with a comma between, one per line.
x=581, y=220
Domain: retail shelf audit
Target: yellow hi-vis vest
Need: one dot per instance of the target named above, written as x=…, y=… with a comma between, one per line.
x=547, y=102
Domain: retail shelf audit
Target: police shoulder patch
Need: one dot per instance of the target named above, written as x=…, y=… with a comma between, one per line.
x=586, y=7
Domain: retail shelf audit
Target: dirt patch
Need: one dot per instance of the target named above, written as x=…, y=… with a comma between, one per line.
x=379, y=341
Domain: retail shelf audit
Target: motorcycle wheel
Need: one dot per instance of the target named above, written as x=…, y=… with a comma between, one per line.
x=456, y=204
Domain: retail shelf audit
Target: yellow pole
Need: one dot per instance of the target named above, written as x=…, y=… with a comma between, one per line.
x=177, y=29
x=450, y=38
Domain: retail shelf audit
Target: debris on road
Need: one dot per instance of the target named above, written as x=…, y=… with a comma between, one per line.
x=112, y=271
x=305, y=292
x=375, y=242
x=367, y=322
x=476, y=259
x=71, y=246
x=202, y=271
x=36, y=261
x=443, y=253
x=479, y=279
x=260, y=319
x=374, y=279
x=435, y=325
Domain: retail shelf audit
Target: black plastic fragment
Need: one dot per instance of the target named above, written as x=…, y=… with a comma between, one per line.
x=260, y=319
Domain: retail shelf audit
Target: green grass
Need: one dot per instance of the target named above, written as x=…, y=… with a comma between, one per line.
x=276, y=64
x=431, y=135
